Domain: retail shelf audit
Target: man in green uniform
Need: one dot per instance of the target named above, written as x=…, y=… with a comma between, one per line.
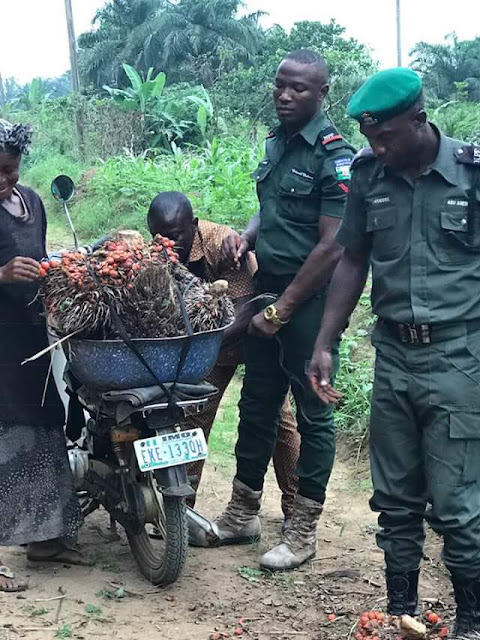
x=413, y=213
x=302, y=186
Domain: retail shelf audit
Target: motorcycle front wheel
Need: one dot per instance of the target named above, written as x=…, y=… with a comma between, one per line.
x=161, y=557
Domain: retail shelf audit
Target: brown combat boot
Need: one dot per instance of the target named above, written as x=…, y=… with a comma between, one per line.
x=238, y=524
x=299, y=542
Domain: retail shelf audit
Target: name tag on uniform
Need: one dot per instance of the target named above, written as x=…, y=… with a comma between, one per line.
x=376, y=202
x=303, y=174
x=457, y=203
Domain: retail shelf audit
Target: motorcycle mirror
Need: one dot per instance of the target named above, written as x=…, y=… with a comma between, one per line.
x=63, y=188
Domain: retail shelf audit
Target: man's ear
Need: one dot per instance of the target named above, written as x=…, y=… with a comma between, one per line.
x=195, y=223
x=420, y=119
x=150, y=224
x=324, y=89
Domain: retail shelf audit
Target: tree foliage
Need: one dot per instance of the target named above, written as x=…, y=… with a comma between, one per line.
x=33, y=92
x=187, y=39
x=163, y=123
x=444, y=65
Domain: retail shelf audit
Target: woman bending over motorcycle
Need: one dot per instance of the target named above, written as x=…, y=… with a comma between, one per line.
x=38, y=506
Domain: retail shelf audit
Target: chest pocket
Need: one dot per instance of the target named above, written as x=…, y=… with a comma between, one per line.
x=298, y=201
x=455, y=242
x=381, y=227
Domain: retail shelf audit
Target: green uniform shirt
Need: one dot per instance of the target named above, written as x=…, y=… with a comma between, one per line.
x=298, y=181
x=421, y=236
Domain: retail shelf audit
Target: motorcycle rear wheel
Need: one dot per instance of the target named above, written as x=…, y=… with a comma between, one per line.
x=161, y=560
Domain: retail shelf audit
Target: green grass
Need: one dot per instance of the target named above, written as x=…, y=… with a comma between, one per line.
x=224, y=432
x=355, y=376
x=116, y=194
x=92, y=609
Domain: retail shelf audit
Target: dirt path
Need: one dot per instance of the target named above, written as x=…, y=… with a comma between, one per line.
x=221, y=586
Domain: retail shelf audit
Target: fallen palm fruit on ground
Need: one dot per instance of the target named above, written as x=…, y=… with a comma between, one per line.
x=377, y=625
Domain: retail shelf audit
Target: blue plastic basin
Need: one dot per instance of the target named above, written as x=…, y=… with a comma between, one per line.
x=110, y=364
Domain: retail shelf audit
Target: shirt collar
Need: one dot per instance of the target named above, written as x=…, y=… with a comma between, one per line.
x=443, y=163
x=311, y=130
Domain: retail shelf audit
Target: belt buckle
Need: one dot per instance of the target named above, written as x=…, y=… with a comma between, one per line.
x=425, y=333
x=415, y=333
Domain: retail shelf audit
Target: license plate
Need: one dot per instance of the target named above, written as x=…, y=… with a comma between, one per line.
x=170, y=449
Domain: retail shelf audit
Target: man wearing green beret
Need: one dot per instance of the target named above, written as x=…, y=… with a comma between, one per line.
x=301, y=184
x=413, y=214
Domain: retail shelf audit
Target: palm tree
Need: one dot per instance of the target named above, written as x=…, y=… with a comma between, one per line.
x=104, y=48
x=187, y=39
x=443, y=65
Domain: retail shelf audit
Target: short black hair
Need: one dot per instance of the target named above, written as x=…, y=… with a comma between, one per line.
x=169, y=204
x=308, y=56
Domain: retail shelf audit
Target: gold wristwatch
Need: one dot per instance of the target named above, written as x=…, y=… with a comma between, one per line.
x=270, y=314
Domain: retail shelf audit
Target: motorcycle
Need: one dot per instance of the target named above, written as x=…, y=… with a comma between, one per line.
x=132, y=456
x=136, y=469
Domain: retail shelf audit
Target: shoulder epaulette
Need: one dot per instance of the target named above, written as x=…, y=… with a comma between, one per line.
x=468, y=154
x=330, y=135
x=271, y=134
x=362, y=156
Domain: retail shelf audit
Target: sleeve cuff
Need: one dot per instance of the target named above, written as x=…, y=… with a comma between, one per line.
x=333, y=209
x=351, y=240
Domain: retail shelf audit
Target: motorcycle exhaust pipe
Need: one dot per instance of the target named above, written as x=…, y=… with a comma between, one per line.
x=200, y=529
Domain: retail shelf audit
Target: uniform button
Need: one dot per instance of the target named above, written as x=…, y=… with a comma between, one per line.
x=464, y=221
x=292, y=190
x=460, y=151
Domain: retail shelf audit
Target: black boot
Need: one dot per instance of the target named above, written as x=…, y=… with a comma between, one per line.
x=402, y=591
x=467, y=597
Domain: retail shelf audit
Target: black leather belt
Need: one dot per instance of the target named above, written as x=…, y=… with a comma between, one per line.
x=428, y=333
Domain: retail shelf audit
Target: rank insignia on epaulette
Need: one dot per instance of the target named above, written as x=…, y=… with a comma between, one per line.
x=367, y=119
x=330, y=134
x=468, y=154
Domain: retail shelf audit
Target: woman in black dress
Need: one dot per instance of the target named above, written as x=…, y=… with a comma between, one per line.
x=38, y=506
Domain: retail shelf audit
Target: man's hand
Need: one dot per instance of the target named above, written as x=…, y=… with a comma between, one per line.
x=234, y=248
x=19, y=269
x=261, y=327
x=320, y=374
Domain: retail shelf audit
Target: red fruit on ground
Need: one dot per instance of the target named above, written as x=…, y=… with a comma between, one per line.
x=331, y=617
x=433, y=618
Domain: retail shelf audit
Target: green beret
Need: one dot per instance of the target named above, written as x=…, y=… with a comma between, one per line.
x=385, y=95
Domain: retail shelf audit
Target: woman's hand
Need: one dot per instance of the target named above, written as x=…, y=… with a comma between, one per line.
x=19, y=269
